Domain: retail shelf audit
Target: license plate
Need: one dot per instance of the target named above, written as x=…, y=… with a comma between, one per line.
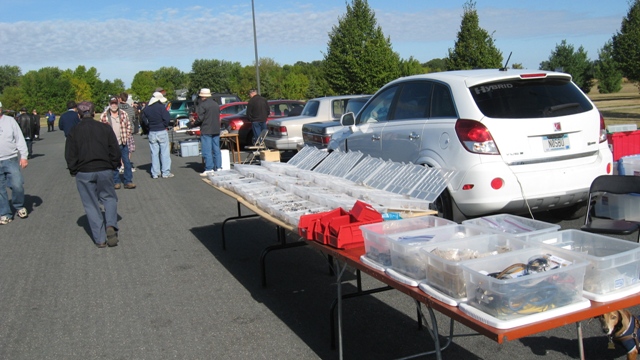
x=552, y=143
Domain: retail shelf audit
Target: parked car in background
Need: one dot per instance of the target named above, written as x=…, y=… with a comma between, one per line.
x=519, y=141
x=232, y=108
x=319, y=133
x=180, y=109
x=240, y=124
x=286, y=133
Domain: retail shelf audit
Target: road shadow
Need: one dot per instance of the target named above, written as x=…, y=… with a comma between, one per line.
x=300, y=291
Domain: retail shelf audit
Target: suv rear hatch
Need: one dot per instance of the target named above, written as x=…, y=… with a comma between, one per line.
x=536, y=118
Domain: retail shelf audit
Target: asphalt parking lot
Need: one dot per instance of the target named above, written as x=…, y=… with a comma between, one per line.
x=169, y=291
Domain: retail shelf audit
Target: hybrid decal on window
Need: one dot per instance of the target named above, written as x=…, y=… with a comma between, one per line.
x=489, y=88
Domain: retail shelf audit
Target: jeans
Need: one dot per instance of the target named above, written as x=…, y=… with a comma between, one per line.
x=159, y=141
x=128, y=174
x=29, y=142
x=50, y=126
x=11, y=176
x=96, y=188
x=211, y=151
x=257, y=128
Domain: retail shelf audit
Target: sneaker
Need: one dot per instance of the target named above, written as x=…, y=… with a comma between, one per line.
x=112, y=236
x=22, y=213
x=170, y=175
x=154, y=176
x=133, y=169
x=117, y=186
x=101, y=245
x=206, y=173
x=130, y=186
x=4, y=220
x=121, y=170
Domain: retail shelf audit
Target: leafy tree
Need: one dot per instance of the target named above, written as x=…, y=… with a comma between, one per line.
x=217, y=75
x=171, y=79
x=12, y=98
x=606, y=71
x=46, y=89
x=474, y=47
x=411, y=66
x=359, y=59
x=318, y=84
x=9, y=76
x=143, y=85
x=625, y=44
x=435, y=65
x=517, y=66
x=294, y=86
x=576, y=63
x=106, y=90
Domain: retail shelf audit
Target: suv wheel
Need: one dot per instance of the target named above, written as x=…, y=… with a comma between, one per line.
x=444, y=205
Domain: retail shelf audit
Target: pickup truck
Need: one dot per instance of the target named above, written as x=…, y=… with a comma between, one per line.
x=286, y=133
x=319, y=133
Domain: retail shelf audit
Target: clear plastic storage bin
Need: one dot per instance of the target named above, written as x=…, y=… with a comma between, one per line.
x=614, y=264
x=444, y=271
x=408, y=265
x=516, y=226
x=377, y=236
x=552, y=279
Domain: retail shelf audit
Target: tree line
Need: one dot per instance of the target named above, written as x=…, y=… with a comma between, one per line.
x=359, y=59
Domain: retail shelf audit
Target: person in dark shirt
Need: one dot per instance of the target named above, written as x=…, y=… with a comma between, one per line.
x=69, y=119
x=92, y=154
x=257, y=113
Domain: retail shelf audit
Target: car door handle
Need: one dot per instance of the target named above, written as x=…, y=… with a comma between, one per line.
x=414, y=136
x=375, y=137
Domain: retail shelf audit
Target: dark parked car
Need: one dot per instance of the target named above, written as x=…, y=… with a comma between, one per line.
x=239, y=124
x=180, y=109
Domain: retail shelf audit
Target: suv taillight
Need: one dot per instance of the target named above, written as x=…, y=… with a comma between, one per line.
x=603, y=130
x=475, y=137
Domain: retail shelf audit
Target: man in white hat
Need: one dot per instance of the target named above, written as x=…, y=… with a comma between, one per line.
x=158, y=118
x=208, y=112
x=13, y=157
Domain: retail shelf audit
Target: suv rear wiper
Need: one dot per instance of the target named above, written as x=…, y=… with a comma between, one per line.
x=552, y=109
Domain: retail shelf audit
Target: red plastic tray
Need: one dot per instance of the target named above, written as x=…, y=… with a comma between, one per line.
x=624, y=143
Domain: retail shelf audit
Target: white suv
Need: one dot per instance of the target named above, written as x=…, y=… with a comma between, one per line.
x=520, y=141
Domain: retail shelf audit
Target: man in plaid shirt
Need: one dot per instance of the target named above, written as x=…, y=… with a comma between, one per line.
x=119, y=122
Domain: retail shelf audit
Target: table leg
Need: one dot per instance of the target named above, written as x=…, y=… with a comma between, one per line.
x=580, y=344
x=283, y=244
x=240, y=216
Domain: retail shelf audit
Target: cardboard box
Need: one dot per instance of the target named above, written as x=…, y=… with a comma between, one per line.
x=270, y=155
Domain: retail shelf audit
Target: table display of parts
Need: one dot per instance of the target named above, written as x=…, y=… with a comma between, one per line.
x=315, y=181
x=504, y=270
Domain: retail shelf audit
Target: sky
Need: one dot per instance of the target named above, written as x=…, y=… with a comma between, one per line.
x=120, y=38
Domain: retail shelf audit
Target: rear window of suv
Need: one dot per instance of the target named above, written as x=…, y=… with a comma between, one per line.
x=530, y=98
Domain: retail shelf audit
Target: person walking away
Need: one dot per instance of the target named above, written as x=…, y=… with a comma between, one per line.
x=69, y=118
x=28, y=130
x=35, y=122
x=118, y=120
x=257, y=113
x=51, y=120
x=208, y=112
x=158, y=119
x=92, y=154
x=13, y=157
x=130, y=110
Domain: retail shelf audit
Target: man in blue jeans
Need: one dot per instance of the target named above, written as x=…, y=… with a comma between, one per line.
x=208, y=112
x=13, y=157
x=92, y=154
x=158, y=118
x=257, y=113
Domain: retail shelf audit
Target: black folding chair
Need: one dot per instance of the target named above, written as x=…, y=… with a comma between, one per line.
x=613, y=184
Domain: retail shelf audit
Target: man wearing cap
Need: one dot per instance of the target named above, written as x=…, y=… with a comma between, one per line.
x=13, y=157
x=257, y=113
x=28, y=129
x=158, y=117
x=92, y=154
x=119, y=122
x=208, y=112
x=69, y=118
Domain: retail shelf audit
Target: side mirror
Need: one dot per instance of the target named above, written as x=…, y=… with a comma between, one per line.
x=348, y=119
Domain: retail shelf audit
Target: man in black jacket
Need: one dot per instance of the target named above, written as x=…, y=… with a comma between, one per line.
x=257, y=113
x=208, y=112
x=92, y=154
x=28, y=129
